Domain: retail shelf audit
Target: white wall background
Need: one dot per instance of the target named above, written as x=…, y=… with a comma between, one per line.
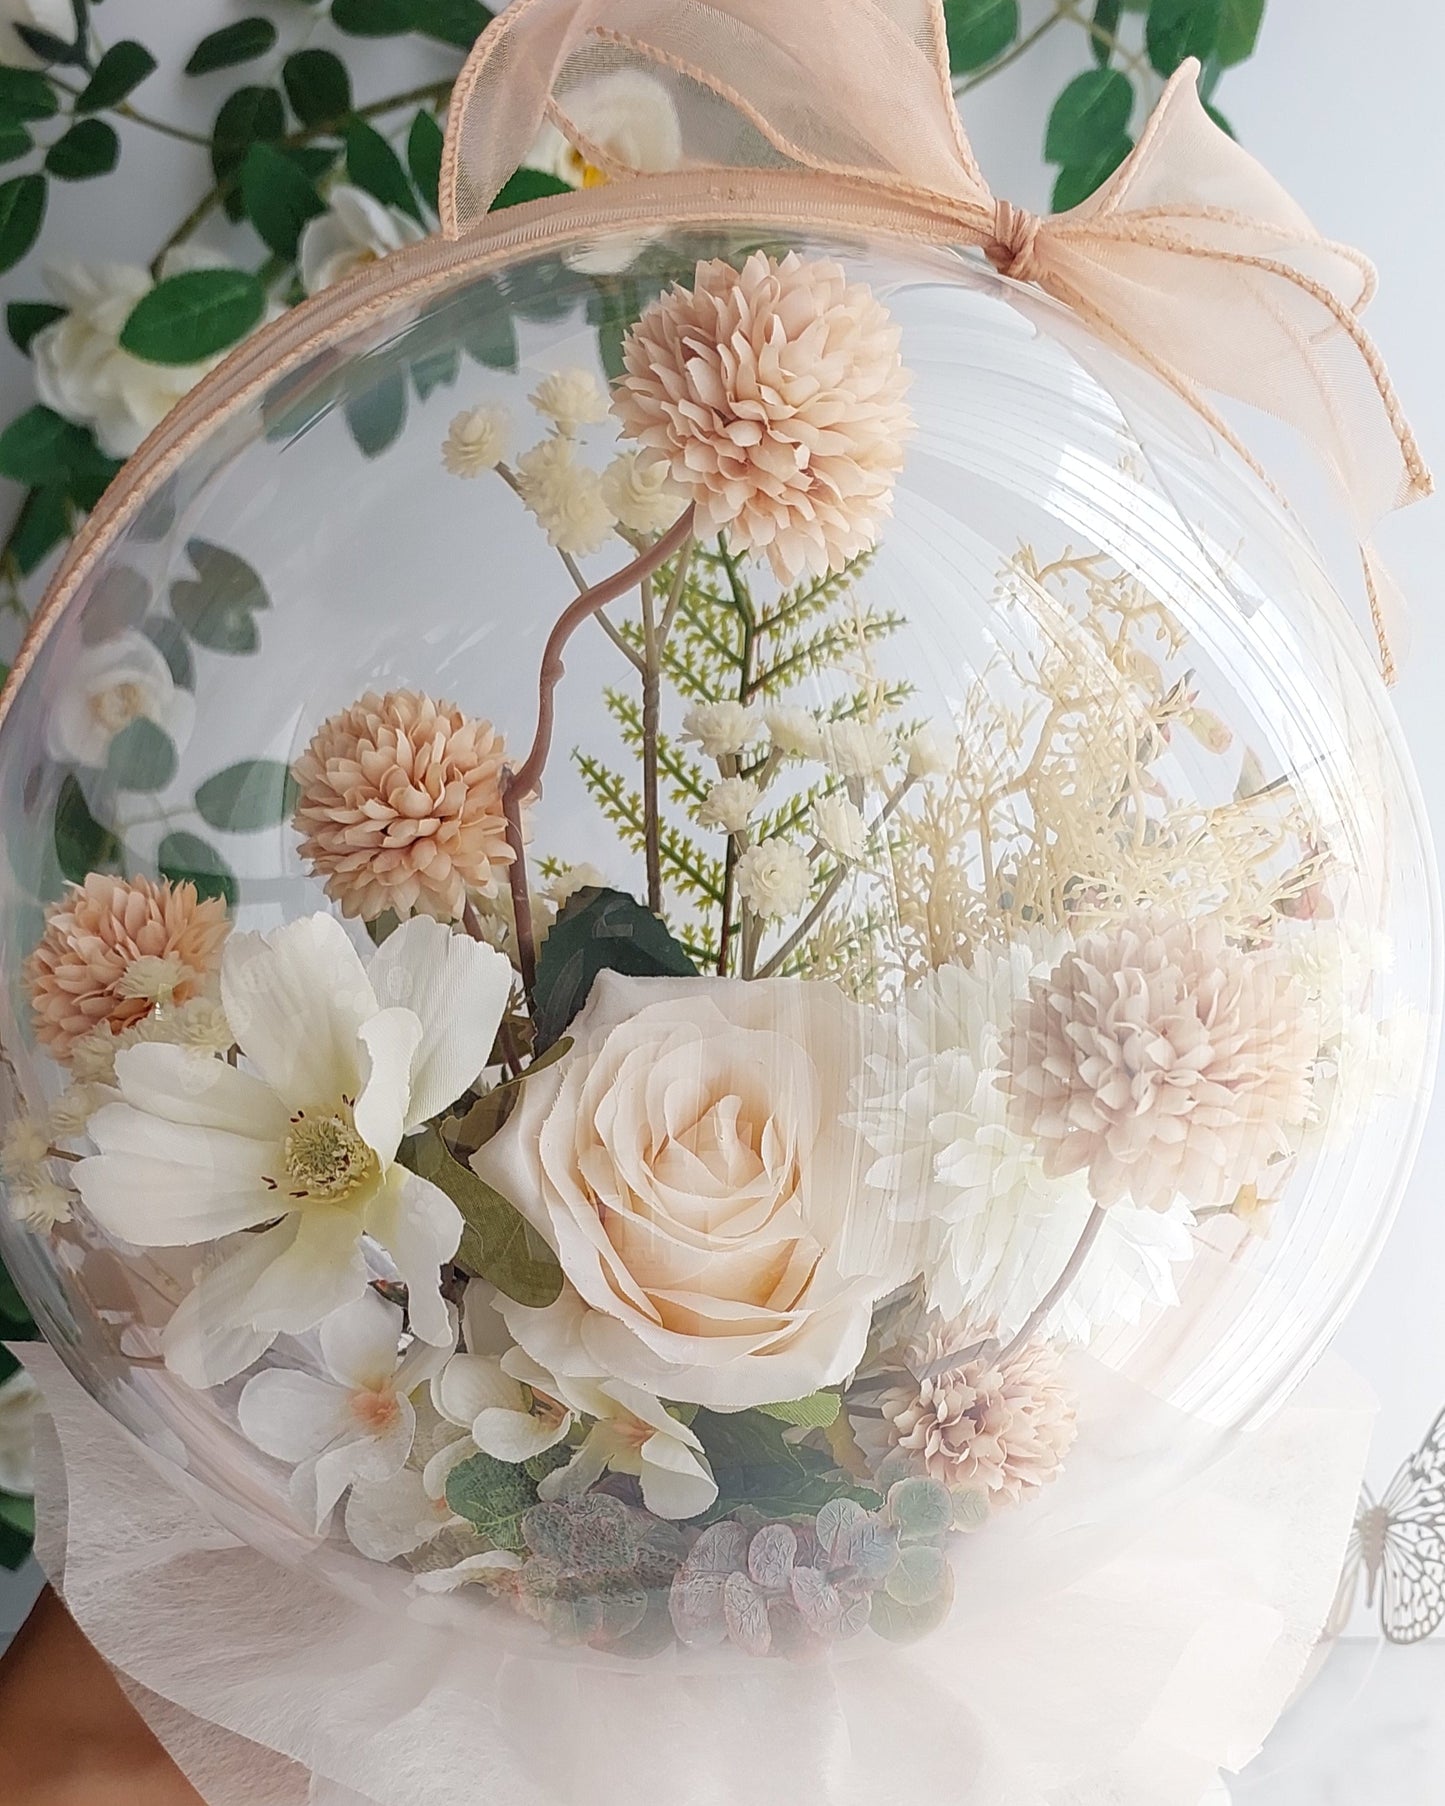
x=1344, y=102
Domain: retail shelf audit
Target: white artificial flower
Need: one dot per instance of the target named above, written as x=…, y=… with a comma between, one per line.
x=341, y=1060
x=199, y=1022
x=54, y=16
x=639, y=492
x=357, y=1423
x=489, y=1565
x=561, y=889
x=399, y=1515
x=991, y=1230
x=82, y=373
x=729, y=805
x=565, y=496
x=19, y=1408
x=25, y=1148
x=930, y=753
x=840, y=826
x=476, y=441
x=721, y=729
x=356, y=230
x=106, y=688
x=632, y=1433
x=569, y=399
x=774, y=878
x=508, y=1404
x=40, y=1205
x=71, y=1112
x=858, y=749
x=796, y=733
x=627, y=114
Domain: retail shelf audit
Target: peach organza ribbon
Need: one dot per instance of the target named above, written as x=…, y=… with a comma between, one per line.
x=1191, y=256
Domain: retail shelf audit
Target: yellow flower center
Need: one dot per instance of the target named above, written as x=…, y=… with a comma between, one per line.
x=325, y=1158
x=583, y=173
x=118, y=706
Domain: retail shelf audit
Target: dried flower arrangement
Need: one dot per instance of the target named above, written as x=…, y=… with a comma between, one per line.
x=700, y=1266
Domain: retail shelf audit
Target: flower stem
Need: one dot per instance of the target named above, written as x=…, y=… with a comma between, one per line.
x=1056, y=1291
x=651, y=711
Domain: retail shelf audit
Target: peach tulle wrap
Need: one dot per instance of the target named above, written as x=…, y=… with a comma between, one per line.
x=1140, y=1626
x=1191, y=256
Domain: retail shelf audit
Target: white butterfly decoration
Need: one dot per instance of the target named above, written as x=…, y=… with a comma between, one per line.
x=1398, y=1546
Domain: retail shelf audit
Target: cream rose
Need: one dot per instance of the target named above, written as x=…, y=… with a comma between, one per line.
x=689, y=1162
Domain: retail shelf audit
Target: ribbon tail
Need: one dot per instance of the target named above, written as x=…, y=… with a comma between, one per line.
x=1389, y=614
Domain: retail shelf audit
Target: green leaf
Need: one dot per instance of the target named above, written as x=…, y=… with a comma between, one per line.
x=424, y=147
x=17, y=1512
x=1106, y=27
x=489, y=335
x=921, y=1508
x=498, y=1243
x=91, y=474
x=598, y=931
x=816, y=1412
x=218, y=606
x=373, y=165
x=24, y=319
x=1177, y=29
x=250, y=116
x=1088, y=117
x=528, y=185
x=373, y=18
x=437, y=370
x=90, y=148
x=168, y=639
x=1219, y=119
x=245, y=797
x=118, y=73
x=15, y=140
x=456, y=22
x=493, y=1497
x=187, y=859
x=1078, y=182
x=82, y=845
x=39, y=448
x=232, y=44
x=26, y=94
x=377, y=417
x=15, y=1318
x=192, y=317
x=1238, y=35
x=278, y=198
x=22, y=212
x=44, y=522
x=979, y=30
x=756, y=1468
x=142, y=757
x=318, y=87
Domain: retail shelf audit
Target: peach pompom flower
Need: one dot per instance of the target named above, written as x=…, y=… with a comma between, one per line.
x=115, y=948
x=774, y=396
x=1164, y=1060
x=400, y=807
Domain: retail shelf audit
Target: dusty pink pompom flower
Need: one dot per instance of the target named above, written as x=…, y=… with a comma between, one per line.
x=1163, y=1059
x=400, y=807
x=774, y=394
x=104, y=933
x=1000, y=1427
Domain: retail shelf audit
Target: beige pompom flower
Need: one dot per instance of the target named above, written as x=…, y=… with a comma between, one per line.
x=1001, y=1427
x=1162, y=1059
x=565, y=496
x=774, y=395
x=639, y=492
x=400, y=807
x=101, y=933
x=570, y=399
x=774, y=878
x=476, y=441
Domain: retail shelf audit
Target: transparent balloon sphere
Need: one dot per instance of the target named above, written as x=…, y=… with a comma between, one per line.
x=1059, y=786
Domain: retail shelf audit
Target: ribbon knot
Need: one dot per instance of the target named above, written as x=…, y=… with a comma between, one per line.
x=1013, y=247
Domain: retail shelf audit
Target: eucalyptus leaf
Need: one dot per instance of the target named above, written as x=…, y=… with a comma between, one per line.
x=218, y=606
x=598, y=931
x=185, y=858
x=248, y=796
x=142, y=757
x=498, y=1243
x=493, y=1497
x=82, y=844
x=377, y=416
x=191, y=317
x=118, y=73
x=117, y=603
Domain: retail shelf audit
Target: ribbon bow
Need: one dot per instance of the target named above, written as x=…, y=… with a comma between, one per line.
x=1191, y=257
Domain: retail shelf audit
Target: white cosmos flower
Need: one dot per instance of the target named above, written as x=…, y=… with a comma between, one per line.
x=55, y=16
x=356, y=230
x=19, y=1408
x=992, y=1232
x=341, y=1060
x=82, y=373
x=356, y=1424
x=106, y=689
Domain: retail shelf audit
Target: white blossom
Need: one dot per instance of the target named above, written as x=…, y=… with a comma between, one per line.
x=106, y=689
x=476, y=441
x=19, y=1408
x=796, y=733
x=839, y=824
x=639, y=492
x=930, y=753
x=627, y=114
x=570, y=399
x=721, y=729
x=730, y=805
x=565, y=496
x=355, y=231
x=857, y=749
x=40, y=1204
x=774, y=878
x=632, y=1432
